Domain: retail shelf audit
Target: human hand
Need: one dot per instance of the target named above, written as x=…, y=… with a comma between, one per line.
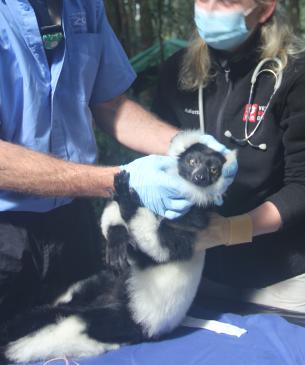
x=225, y=231
x=158, y=190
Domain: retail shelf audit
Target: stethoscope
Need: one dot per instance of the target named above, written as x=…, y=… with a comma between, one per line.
x=258, y=71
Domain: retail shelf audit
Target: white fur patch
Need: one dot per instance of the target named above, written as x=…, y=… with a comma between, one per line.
x=183, y=140
x=111, y=217
x=65, y=338
x=230, y=157
x=68, y=295
x=161, y=295
x=144, y=228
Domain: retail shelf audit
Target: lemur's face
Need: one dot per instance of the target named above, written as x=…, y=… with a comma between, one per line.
x=200, y=165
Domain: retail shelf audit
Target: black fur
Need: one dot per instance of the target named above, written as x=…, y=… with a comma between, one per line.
x=200, y=165
x=102, y=301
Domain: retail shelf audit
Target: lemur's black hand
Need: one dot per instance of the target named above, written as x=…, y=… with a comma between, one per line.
x=127, y=197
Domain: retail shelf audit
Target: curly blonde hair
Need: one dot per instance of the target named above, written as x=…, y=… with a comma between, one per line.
x=277, y=40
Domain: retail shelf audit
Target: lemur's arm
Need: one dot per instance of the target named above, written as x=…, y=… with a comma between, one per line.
x=148, y=233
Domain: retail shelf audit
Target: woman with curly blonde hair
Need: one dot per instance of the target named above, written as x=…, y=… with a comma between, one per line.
x=242, y=80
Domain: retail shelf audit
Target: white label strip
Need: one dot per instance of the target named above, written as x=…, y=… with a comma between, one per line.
x=215, y=326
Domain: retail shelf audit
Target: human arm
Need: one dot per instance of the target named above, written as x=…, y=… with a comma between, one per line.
x=239, y=229
x=28, y=171
x=286, y=206
x=133, y=126
x=32, y=172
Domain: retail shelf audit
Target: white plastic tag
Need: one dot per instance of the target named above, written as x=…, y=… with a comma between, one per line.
x=215, y=326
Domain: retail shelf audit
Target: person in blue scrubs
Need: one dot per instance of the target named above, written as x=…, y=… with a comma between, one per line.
x=61, y=66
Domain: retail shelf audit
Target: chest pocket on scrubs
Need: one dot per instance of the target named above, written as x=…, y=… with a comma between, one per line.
x=83, y=52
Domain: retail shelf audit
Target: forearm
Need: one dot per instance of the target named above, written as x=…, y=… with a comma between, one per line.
x=27, y=171
x=239, y=229
x=265, y=219
x=133, y=126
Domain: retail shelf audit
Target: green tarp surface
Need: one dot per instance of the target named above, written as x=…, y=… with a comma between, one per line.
x=152, y=56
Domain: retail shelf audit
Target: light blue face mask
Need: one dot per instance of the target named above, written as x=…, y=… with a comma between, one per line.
x=223, y=30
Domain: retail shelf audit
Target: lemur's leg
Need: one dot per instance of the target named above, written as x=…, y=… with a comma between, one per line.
x=104, y=283
x=115, y=230
x=115, y=219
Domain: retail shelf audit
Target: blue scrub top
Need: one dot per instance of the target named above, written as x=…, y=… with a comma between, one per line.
x=47, y=109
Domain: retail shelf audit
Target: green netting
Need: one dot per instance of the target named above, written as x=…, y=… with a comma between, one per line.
x=152, y=56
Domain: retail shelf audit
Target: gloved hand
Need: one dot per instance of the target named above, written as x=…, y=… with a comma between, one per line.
x=230, y=167
x=158, y=190
x=225, y=231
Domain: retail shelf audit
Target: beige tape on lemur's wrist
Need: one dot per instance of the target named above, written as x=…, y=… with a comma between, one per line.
x=241, y=229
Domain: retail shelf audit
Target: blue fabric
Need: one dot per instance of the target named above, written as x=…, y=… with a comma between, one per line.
x=48, y=110
x=270, y=340
x=221, y=29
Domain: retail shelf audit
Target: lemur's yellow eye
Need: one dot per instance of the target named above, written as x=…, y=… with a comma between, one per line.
x=192, y=162
x=213, y=170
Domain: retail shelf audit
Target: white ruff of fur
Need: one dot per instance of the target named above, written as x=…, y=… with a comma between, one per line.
x=65, y=338
x=201, y=196
x=144, y=228
x=161, y=295
x=111, y=217
x=183, y=140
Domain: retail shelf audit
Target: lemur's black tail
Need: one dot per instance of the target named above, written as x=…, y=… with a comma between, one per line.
x=33, y=323
x=50, y=332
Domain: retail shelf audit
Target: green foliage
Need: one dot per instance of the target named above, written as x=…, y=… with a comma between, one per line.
x=141, y=23
x=111, y=153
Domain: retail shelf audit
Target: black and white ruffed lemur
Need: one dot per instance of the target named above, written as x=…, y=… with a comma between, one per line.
x=151, y=280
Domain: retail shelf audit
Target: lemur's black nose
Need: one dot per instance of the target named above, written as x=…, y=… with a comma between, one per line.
x=200, y=178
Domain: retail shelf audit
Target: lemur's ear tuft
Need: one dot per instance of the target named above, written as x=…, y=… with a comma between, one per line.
x=183, y=140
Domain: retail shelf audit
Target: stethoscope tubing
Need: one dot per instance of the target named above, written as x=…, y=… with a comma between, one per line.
x=257, y=72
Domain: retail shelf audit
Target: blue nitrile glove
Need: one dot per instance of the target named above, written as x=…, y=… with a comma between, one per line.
x=230, y=168
x=158, y=190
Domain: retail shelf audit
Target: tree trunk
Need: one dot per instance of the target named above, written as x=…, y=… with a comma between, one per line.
x=146, y=24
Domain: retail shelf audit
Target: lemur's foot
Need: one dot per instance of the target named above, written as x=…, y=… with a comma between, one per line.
x=116, y=249
x=127, y=197
x=115, y=230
